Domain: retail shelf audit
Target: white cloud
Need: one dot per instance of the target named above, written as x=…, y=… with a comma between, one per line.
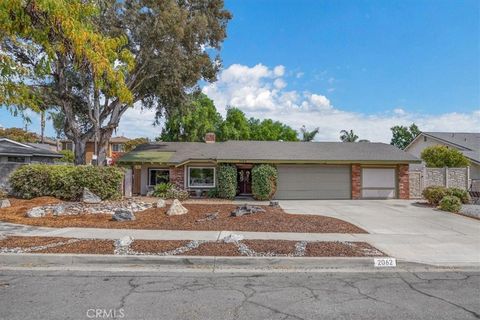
x=260, y=92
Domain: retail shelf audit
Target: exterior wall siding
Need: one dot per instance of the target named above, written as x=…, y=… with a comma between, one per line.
x=177, y=176
x=403, y=182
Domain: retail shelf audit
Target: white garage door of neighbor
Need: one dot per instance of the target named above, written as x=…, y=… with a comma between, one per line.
x=378, y=183
x=313, y=182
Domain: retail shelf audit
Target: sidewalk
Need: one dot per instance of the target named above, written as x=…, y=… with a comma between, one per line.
x=430, y=249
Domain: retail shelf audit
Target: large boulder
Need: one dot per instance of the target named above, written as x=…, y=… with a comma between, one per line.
x=176, y=209
x=5, y=203
x=36, y=212
x=123, y=215
x=90, y=197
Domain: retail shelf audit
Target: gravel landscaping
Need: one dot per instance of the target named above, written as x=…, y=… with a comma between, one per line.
x=252, y=248
x=199, y=217
x=471, y=210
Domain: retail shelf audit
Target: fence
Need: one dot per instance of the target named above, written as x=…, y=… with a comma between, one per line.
x=445, y=177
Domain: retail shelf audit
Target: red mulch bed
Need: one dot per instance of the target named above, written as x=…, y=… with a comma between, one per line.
x=273, y=246
x=273, y=220
x=341, y=249
x=157, y=246
x=214, y=249
x=26, y=242
x=86, y=246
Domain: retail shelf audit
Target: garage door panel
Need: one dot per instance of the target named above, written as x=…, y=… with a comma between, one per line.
x=313, y=182
x=378, y=183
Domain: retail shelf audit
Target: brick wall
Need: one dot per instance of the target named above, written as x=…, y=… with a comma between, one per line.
x=177, y=176
x=356, y=181
x=403, y=182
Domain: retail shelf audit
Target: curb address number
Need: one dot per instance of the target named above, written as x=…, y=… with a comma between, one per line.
x=385, y=262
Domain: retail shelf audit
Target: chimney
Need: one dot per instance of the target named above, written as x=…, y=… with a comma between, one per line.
x=210, y=137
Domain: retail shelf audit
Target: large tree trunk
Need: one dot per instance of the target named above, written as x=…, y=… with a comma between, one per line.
x=103, y=145
x=80, y=146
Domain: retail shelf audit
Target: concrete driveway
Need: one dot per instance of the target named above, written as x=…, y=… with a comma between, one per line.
x=404, y=229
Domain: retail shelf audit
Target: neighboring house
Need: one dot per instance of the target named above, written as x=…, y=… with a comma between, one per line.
x=115, y=148
x=466, y=143
x=306, y=170
x=14, y=154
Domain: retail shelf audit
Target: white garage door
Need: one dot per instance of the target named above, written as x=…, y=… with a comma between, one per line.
x=313, y=182
x=378, y=183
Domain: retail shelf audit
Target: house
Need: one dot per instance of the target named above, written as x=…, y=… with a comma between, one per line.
x=306, y=170
x=14, y=154
x=466, y=143
x=115, y=147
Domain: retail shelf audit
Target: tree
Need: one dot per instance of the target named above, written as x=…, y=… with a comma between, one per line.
x=348, y=136
x=402, y=136
x=151, y=53
x=51, y=54
x=308, y=135
x=192, y=122
x=269, y=130
x=17, y=134
x=442, y=156
x=235, y=126
x=133, y=143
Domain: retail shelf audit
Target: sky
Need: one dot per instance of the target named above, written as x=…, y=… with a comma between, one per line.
x=360, y=65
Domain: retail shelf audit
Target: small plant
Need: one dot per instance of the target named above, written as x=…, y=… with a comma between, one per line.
x=434, y=194
x=161, y=189
x=450, y=204
x=460, y=194
x=212, y=193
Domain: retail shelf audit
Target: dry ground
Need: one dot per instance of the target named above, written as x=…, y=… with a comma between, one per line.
x=273, y=220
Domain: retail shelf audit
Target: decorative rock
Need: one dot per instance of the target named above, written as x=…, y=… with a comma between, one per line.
x=90, y=197
x=36, y=212
x=124, y=241
x=161, y=203
x=176, y=209
x=274, y=204
x=123, y=215
x=209, y=217
x=59, y=210
x=245, y=209
x=5, y=203
x=233, y=238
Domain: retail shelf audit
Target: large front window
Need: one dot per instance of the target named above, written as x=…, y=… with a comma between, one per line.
x=201, y=177
x=157, y=176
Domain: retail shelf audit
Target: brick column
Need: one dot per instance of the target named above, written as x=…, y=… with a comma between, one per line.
x=403, y=182
x=356, y=181
x=177, y=177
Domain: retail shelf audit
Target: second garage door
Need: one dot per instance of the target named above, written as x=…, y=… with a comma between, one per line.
x=313, y=182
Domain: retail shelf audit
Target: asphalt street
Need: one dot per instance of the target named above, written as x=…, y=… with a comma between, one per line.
x=196, y=295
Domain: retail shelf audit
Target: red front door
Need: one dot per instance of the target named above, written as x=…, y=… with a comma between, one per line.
x=244, y=178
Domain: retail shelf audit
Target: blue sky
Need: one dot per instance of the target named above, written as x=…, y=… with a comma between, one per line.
x=361, y=65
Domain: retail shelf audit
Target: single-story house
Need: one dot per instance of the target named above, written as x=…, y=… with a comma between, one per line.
x=14, y=154
x=466, y=143
x=306, y=170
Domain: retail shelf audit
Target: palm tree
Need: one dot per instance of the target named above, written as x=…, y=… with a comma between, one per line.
x=308, y=135
x=348, y=136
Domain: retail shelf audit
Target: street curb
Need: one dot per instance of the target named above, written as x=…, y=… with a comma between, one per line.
x=99, y=262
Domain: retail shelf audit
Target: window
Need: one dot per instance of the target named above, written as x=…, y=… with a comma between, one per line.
x=68, y=146
x=201, y=177
x=157, y=176
x=117, y=147
x=16, y=159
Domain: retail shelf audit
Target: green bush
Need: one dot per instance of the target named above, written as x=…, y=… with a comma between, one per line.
x=68, y=156
x=3, y=194
x=450, y=204
x=460, y=194
x=442, y=156
x=212, y=193
x=161, y=189
x=227, y=181
x=434, y=194
x=264, y=181
x=66, y=182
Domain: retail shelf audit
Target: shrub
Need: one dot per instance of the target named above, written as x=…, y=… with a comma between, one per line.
x=3, y=194
x=460, y=194
x=212, y=193
x=227, y=181
x=66, y=182
x=177, y=194
x=434, y=194
x=450, y=204
x=442, y=156
x=264, y=182
x=68, y=156
x=161, y=189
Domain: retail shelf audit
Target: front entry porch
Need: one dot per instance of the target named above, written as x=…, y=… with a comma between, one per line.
x=244, y=180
